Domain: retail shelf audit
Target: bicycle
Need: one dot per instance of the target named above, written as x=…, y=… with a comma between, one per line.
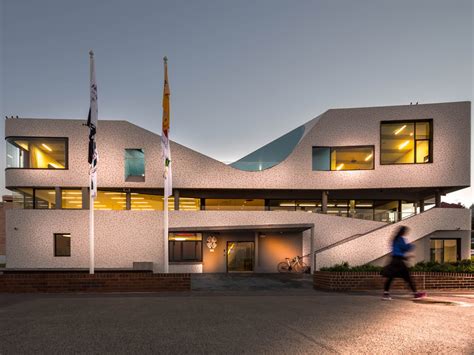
x=293, y=265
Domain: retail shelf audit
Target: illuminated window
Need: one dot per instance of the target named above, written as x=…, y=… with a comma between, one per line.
x=62, y=244
x=36, y=153
x=343, y=158
x=185, y=247
x=45, y=198
x=445, y=250
x=292, y=205
x=134, y=165
x=188, y=204
x=213, y=204
x=71, y=198
x=110, y=200
x=406, y=142
x=146, y=202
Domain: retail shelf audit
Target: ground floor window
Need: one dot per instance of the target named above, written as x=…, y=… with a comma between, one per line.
x=445, y=250
x=183, y=247
x=62, y=244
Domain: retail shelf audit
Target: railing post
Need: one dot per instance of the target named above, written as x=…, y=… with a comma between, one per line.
x=324, y=202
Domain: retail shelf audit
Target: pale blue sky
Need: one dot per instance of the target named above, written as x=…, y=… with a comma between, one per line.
x=241, y=73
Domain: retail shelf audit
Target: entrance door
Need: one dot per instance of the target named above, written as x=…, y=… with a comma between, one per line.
x=240, y=256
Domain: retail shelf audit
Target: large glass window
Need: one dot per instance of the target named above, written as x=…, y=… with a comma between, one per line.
x=343, y=158
x=39, y=198
x=147, y=202
x=71, y=198
x=445, y=250
x=185, y=247
x=134, y=165
x=295, y=205
x=110, y=200
x=406, y=142
x=45, y=198
x=37, y=153
x=62, y=244
x=23, y=198
x=213, y=204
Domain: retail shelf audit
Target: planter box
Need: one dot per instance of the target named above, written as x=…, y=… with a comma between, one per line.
x=102, y=281
x=357, y=281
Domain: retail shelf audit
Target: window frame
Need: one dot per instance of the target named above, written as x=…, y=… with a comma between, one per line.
x=66, y=153
x=181, y=260
x=372, y=146
x=430, y=140
x=55, y=247
x=134, y=178
x=458, y=249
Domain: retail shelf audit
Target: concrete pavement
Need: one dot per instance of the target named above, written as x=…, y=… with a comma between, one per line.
x=278, y=322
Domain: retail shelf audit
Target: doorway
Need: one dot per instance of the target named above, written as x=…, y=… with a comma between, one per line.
x=240, y=256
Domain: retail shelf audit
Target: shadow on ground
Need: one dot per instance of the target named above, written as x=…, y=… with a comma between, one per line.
x=250, y=282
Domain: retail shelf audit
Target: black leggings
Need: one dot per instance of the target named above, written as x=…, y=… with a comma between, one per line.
x=402, y=272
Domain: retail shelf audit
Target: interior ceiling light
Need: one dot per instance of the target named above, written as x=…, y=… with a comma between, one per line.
x=307, y=204
x=118, y=198
x=403, y=145
x=287, y=205
x=47, y=147
x=368, y=157
x=113, y=193
x=340, y=166
x=400, y=129
x=72, y=192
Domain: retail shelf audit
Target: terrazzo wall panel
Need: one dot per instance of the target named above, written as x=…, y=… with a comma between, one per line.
x=378, y=243
x=338, y=127
x=124, y=237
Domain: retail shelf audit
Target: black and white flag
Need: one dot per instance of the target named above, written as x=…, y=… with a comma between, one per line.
x=93, y=157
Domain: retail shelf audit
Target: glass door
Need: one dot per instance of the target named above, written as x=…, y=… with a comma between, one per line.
x=240, y=256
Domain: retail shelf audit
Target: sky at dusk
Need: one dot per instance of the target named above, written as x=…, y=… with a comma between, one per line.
x=241, y=73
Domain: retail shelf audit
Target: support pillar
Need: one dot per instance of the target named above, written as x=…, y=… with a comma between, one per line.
x=421, y=204
x=85, y=198
x=437, y=198
x=58, y=199
x=176, y=199
x=324, y=202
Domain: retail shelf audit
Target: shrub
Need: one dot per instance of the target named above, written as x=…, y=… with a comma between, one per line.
x=428, y=266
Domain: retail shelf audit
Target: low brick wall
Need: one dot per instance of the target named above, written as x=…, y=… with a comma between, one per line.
x=357, y=281
x=107, y=281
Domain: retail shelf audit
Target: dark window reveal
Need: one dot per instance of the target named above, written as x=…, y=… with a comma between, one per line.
x=62, y=244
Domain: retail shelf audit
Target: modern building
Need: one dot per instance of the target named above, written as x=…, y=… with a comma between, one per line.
x=333, y=189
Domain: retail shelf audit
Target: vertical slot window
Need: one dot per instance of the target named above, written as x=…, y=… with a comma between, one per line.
x=134, y=165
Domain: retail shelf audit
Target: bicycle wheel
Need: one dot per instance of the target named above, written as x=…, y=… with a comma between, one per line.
x=300, y=267
x=282, y=267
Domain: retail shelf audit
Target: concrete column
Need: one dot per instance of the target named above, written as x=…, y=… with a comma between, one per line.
x=257, y=261
x=421, y=204
x=85, y=198
x=324, y=202
x=176, y=199
x=58, y=200
x=311, y=258
x=128, y=200
x=400, y=214
x=437, y=198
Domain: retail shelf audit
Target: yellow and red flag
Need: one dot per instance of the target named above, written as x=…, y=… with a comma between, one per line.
x=165, y=143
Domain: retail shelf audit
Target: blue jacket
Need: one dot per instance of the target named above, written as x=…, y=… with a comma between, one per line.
x=400, y=247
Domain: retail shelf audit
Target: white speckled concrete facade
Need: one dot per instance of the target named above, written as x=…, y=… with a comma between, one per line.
x=373, y=245
x=340, y=127
x=123, y=237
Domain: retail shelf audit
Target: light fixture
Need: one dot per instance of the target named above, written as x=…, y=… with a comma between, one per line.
x=180, y=239
x=47, y=147
x=307, y=204
x=400, y=129
x=72, y=192
x=340, y=166
x=54, y=165
x=403, y=145
x=8, y=155
x=118, y=198
x=113, y=193
x=285, y=204
x=368, y=157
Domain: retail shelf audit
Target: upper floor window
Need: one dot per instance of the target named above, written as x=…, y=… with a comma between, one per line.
x=343, y=158
x=36, y=153
x=134, y=165
x=406, y=142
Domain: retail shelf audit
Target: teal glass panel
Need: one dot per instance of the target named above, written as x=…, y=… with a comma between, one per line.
x=271, y=154
x=321, y=159
x=134, y=163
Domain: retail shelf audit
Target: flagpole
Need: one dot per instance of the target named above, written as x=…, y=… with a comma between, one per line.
x=167, y=164
x=92, y=159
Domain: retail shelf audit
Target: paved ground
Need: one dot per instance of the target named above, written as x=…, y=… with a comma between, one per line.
x=230, y=322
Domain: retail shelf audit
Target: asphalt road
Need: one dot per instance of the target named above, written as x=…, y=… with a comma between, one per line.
x=234, y=323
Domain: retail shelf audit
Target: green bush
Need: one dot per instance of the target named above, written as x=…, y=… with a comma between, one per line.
x=429, y=266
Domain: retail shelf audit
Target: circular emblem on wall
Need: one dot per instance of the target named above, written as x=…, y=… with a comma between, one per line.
x=211, y=242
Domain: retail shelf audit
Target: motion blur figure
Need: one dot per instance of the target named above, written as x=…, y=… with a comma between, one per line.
x=397, y=267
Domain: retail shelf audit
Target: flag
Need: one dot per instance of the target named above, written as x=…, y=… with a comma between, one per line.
x=165, y=143
x=93, y=157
